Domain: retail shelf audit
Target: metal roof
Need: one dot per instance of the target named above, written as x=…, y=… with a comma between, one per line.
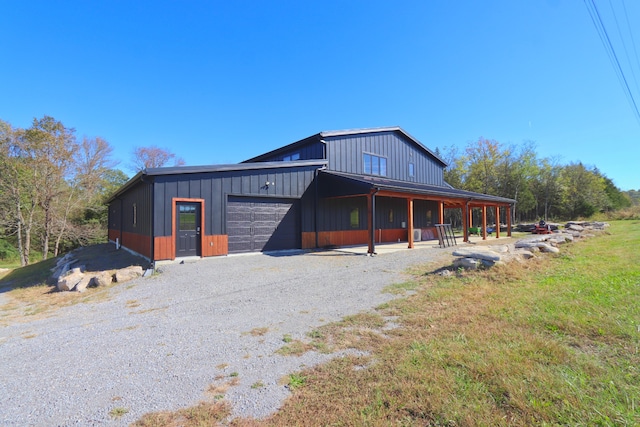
x=347, y=132
x=417, y=188
x=182, y=170
x=179, y=170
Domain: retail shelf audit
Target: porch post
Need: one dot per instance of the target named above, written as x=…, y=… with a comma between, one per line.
x=371, y=231
x=484, y=222
x=497, y=222
x=509, y=221
x=410, y=221
x=441, y=212
x=465, y=222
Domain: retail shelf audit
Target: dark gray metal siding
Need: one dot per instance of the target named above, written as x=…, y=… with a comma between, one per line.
x=310, y=148
x=215, y=187
x=122, y=211
x=309, y=151
x=425, y=213
x=335, y=214
x=344, y=154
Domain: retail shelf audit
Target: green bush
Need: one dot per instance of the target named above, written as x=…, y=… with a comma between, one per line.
x=7, y=251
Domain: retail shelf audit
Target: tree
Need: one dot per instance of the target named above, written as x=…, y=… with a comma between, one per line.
x=483, y=158
x=50, y=146
x=582, y=191
x=16, y=185
x=153, y=157
x=92, y=161
x=547, y=188
x=455, y=170
x=616, y=199
x=516, y=170
x=47, y=181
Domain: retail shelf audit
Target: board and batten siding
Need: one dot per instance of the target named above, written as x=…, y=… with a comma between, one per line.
x=345, y=154
x=130, y=219
x=311, y=151
x=215, y=187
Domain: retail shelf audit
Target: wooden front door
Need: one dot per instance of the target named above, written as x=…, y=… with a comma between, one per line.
x=187, y=229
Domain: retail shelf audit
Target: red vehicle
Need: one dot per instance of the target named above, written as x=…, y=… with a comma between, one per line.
x=542, y=228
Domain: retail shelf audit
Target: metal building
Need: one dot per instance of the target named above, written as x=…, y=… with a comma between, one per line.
x=361, y=186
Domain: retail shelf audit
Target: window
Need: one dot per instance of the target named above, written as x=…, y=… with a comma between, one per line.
x=412, y=170
x=291, y=157
x=354, y=218
x=135, y=215
x=374, y=165
x=187, y=220
x=390, y=215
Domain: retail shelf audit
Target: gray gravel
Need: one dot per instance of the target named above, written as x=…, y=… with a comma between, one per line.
x=159, y=343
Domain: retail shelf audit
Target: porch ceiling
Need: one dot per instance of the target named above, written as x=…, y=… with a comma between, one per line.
x=337, y=184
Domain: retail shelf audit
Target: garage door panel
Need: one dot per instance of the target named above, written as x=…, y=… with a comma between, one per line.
x=255, y=224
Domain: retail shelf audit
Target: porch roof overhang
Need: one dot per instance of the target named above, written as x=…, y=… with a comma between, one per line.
x=338, y=184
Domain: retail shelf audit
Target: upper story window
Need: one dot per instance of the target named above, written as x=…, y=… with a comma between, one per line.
x=375, y=165
x=291, y=157
x=412, y=170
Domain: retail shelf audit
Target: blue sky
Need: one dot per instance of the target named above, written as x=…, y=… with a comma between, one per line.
x=220, y=82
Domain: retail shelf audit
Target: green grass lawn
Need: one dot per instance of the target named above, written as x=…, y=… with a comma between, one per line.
x=553, y=341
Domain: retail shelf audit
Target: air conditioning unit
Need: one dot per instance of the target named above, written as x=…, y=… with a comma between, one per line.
x=417, y=235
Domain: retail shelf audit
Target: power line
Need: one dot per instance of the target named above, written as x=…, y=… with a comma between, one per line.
x=633, y=42
x=624, y=45
x=606, y=41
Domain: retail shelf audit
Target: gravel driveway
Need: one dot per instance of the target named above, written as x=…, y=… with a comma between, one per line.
x=158, y=343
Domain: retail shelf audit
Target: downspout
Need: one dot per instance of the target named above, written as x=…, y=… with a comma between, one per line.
x=316, y=203
x=152, y=255
x=118, y=240
x=121, y=222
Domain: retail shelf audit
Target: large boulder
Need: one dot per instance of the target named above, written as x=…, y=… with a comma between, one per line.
x=103, y=278
x=484, y=254
x=467, y=263
x=544, y=247
x=575, y=227
x=129, y=273
x=62, y=267
x=81, y=286
x=70, y=280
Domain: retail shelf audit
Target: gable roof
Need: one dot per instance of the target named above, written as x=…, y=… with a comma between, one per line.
x=347, y=132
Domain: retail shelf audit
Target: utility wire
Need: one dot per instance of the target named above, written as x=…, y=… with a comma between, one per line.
x=606, y=41
x=633, y=42
x=624, y=45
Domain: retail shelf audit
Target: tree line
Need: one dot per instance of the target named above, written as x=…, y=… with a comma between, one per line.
x=54, y=187
x=542, y=187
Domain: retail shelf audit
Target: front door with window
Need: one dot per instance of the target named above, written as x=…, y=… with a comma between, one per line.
x=187, y=229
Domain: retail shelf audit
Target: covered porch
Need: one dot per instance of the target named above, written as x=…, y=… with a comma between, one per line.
x=431, y=200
